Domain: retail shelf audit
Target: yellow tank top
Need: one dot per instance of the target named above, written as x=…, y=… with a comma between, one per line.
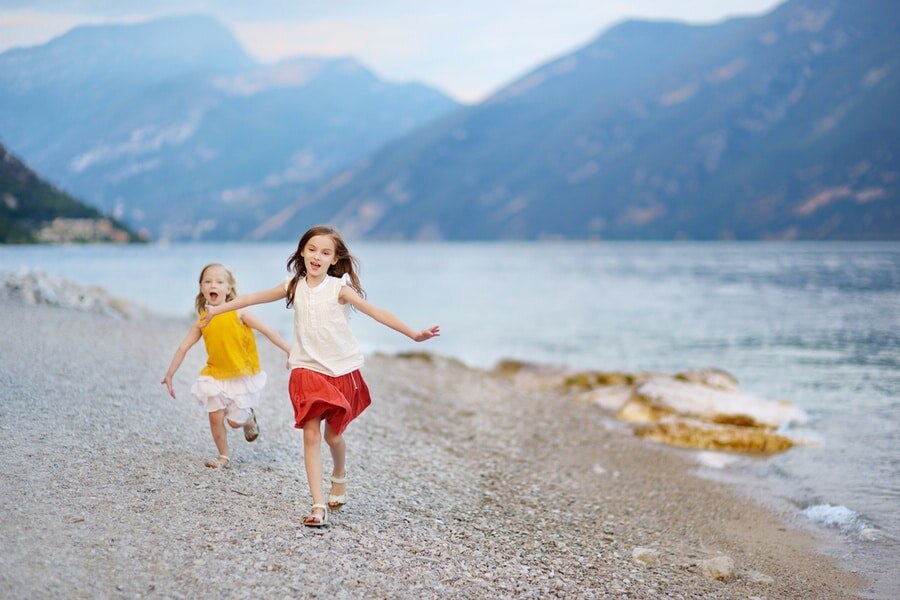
x=230, y=348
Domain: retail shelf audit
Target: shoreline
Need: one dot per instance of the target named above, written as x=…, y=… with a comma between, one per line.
x=462, y=485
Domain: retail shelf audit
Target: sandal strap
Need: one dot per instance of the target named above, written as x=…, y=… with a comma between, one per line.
x=339, y=480
x=322, y=506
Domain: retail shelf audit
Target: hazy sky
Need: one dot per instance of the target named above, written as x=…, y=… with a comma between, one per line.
x=467, y=48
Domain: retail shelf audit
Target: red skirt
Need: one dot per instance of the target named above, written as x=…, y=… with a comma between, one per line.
x=337, y=400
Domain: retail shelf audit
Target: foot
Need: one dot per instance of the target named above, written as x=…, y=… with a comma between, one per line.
x=221, y=462
x=318, y=516
x=338, y=496
x=251, y=428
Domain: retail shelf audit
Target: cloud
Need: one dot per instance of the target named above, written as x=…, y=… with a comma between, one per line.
x=469, y=47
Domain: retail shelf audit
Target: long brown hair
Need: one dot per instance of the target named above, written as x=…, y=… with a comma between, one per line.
x=200, y=301
x=346, y=262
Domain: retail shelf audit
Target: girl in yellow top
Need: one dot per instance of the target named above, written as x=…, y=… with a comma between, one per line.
x=230, y=384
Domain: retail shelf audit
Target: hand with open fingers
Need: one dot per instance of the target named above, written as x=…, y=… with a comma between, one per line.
x=427, y=334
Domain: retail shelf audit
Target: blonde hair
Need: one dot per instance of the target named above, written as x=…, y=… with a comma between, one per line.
x=346, y=262
x=200, y=301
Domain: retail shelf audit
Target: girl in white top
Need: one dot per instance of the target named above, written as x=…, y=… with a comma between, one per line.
x=325, y=384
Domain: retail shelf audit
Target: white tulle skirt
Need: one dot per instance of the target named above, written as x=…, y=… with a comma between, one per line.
x=240, y=392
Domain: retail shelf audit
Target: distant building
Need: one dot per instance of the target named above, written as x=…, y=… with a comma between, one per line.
x=61, y=231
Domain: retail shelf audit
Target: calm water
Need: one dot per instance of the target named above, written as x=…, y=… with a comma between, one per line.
x=818, y=324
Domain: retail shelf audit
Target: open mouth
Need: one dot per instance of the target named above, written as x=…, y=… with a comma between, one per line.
x=214, y=295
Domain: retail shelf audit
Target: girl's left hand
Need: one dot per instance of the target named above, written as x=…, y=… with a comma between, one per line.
x=167, y=381
x=427, y=334
x=204, y=320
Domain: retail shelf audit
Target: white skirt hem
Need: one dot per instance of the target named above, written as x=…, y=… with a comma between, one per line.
x=241, y=391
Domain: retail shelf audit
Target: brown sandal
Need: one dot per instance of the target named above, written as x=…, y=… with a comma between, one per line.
x=251, y=428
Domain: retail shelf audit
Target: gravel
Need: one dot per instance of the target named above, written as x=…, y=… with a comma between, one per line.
x=462, y=485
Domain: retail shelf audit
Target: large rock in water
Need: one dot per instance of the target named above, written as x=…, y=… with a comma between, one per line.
x=703, y=408
x=668, y=395
x=691, y=433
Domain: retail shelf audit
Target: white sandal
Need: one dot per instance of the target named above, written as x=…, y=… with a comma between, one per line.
x=221, y=462
x=336, y=502
x=314, y=520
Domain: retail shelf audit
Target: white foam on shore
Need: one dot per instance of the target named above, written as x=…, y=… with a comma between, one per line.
x=716, y=460
x=838, y=516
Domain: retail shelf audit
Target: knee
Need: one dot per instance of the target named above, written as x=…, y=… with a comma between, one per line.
x=332, y=438
x=311, y=436
x=233, y=424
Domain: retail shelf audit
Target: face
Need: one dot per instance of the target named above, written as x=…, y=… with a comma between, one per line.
x=214, y=285
x=318, y=255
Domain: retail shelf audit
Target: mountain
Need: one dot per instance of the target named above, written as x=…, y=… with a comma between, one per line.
x=170, y=125
x=32, y=210
x=780, y=126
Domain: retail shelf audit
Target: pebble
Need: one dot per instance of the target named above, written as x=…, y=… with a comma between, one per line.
x=720, y=568
x=645, y=556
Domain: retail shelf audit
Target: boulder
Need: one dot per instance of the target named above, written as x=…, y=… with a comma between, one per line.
x=693, y=433
x=668, y=395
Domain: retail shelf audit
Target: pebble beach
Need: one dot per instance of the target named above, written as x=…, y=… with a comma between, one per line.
x=463, y=484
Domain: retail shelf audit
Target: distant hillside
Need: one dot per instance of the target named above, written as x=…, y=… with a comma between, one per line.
x=171, y=126
x=783, y=126
x=31, y=210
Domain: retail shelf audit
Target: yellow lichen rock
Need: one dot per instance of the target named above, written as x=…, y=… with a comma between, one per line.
x=639, y=410
x=710, y=377
x=416, y=355
x=612, y=398
x=588, y=380
x=692, y=433
x=509, y=366
x=715, y=405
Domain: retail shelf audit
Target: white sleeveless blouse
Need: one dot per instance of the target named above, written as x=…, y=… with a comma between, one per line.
x=323, y=341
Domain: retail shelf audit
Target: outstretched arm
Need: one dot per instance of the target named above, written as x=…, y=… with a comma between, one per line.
x=252, y=321
x=243, y=301
x=349, y=295
x=189, y=340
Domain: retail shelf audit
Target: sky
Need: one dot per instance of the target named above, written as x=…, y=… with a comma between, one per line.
x=466, y=48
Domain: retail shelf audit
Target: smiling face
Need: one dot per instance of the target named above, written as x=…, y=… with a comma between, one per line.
x=215, y=284
x=319, y=255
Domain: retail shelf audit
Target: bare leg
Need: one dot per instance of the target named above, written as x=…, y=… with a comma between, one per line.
x=220, y=437
x=312, y=459
x=339, y=457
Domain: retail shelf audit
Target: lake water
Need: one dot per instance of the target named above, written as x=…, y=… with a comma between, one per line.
x=818, y=324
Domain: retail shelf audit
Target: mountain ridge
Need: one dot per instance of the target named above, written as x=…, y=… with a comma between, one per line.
x=174, y=128
x=753, y=128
